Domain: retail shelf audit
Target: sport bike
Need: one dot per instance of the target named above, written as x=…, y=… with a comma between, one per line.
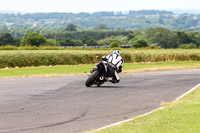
x=101, y=73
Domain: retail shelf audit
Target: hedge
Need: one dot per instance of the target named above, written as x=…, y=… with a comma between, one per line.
x=27, y=58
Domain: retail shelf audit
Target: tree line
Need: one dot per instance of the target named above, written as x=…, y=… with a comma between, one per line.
x=71, y=36
x=113, y=20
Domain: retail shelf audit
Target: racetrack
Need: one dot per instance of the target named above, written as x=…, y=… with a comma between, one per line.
x=65, y=105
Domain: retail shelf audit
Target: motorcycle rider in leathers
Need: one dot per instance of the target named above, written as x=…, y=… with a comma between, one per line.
x=114, y=65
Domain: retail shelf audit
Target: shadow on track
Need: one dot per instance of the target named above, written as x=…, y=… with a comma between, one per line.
x=109, y=86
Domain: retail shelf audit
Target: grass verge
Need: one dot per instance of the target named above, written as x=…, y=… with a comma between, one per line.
x=84, y=69
x=182, y=116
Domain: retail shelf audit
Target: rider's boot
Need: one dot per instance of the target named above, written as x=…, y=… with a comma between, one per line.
x=115, y=80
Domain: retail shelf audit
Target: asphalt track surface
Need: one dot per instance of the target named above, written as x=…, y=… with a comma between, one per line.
x=65, y=105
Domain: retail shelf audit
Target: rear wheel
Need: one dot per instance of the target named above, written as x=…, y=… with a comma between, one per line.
x=90, y=81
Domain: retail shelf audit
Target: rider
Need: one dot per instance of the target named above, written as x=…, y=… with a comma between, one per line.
x=115, y=64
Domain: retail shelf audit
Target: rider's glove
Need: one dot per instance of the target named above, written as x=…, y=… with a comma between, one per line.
x=104, y=58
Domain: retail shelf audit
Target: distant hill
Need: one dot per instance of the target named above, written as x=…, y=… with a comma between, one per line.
x=188, y=11
x=9, y=12
x=176, y=19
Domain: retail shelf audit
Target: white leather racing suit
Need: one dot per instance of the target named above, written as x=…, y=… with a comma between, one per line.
x=117, y=61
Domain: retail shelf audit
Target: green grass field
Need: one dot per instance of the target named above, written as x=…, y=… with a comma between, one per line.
x=84, y=69
x=182, y=116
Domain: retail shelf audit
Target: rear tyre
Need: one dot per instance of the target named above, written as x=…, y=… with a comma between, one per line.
x=90, y=81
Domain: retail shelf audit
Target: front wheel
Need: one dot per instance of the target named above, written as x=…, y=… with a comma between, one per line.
x=90, y=81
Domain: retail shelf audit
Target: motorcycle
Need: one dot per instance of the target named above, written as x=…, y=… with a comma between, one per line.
x=100, y=74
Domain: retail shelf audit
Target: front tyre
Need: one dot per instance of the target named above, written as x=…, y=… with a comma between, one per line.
x=90, y=81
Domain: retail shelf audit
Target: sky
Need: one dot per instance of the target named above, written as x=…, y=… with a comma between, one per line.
x=76, y=6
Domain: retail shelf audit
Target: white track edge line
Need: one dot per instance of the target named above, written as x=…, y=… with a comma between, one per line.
x=118, y=123
x=194, y=88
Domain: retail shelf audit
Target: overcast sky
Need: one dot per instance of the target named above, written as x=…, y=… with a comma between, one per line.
x=94, y=5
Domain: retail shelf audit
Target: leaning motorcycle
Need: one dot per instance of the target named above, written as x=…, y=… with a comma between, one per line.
x=99, y=74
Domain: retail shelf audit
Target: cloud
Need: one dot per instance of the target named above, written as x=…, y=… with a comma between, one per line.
x=94, y=5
